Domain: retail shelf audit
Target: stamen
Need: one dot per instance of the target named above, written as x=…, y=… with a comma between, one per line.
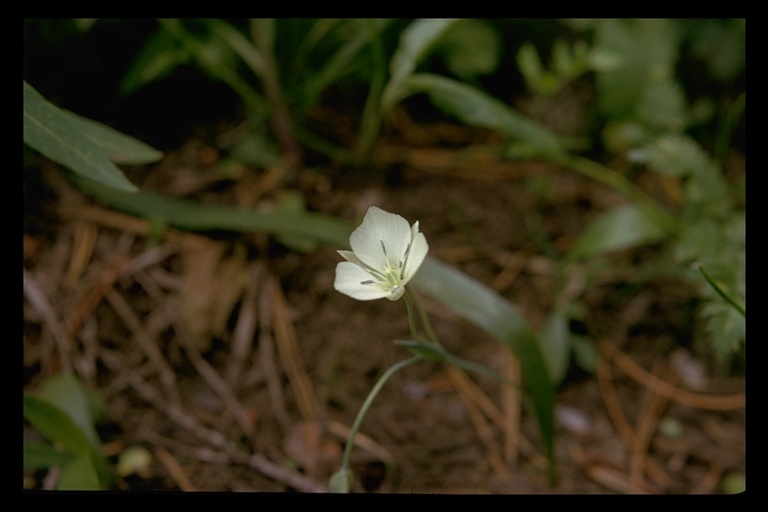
x=383, y=248
x=369, y=281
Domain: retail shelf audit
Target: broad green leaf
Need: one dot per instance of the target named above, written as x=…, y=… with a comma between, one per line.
x=59, y=427
x=663, y=107
x=120, y=148
x=65, y=392
x=55, y=424
x=672, y=155
x=292, y=202
x=52, y=133
x=415, y=43
x=647, y=49
x=39, y=455
x=621, y=228
x=79, y=475
x=555, y=340
x=490, y=311
x=474, y=107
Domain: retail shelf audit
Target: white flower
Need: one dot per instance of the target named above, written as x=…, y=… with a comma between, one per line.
x=386, y=253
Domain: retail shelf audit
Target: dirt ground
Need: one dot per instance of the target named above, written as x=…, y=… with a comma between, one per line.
x=232, y=361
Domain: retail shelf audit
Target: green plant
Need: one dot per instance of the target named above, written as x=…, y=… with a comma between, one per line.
x=65, y=413
x=82, y=145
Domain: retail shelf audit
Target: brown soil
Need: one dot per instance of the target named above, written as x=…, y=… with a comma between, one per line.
x=232, y=360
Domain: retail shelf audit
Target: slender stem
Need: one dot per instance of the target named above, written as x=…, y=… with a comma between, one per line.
x=367, y=404
x=423, y=316
x=411, y=319
x=615, y=180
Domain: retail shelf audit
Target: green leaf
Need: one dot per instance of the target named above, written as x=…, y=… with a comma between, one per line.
x=65, y=392
x=672, y=155
x=663, y=107
x=621, y=228
x=555, y=340
x=647, y=49
x=415, y=43
x=727, y=298
x=39, y=455
x=79, y=475
x=120, y=148
x=159, y=56
x=52, y=133
x=55, y=424
x=496, y=315
x=470, y=48
x=474, y=107
x=343, y=58
x=292, y=202
x=424, y=349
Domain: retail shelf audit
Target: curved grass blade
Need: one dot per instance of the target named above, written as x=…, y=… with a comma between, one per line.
x=415, y=42
x=727, y=298
x=473, y=107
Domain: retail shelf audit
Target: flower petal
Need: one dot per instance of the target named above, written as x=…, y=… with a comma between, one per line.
x=416, y=255
x=381, y=239
x=349, y=279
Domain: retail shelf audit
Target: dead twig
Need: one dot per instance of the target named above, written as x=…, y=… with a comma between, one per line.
x=109, y=277
x=661, y=387
x=267, y=356
x=290, y=356
x=245, y=330
x=361, y=441
x=214, y=438
x=626, y=433
x=145, y=340
x=83, y=244
x=38, y=300
x=174, y=469
x=651, y=411
x=476, y=404
x=217, y=383
x=616, y=480
x=511, y=407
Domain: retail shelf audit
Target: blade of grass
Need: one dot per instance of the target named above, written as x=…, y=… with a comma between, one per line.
x=738, y=307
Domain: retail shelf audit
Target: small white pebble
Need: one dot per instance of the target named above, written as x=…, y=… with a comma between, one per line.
x=572, y=419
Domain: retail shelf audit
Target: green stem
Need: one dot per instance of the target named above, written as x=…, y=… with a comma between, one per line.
x=367, y=404
x=613, y=179
x=423, y=316
x=411, y=319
